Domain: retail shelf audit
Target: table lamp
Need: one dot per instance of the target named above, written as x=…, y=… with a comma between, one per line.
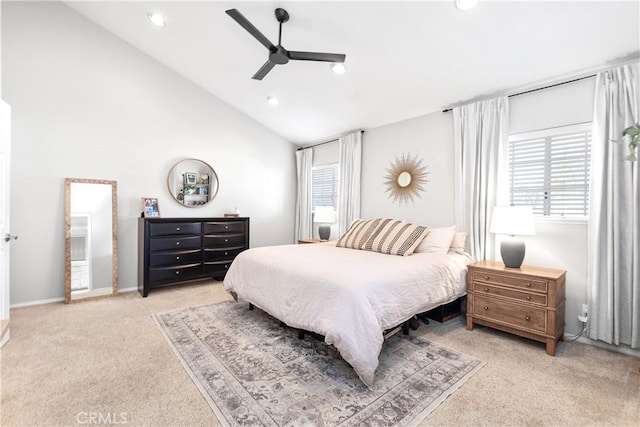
x=514, y=221
x=324, y=215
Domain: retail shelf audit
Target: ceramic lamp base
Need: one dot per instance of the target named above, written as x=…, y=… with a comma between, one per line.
x=512, y=252
x=324, y=231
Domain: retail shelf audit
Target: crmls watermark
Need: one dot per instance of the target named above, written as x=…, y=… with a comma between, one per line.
x=98, y=418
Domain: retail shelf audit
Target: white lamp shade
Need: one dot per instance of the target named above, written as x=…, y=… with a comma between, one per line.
x=324, y=214
x=513, y=220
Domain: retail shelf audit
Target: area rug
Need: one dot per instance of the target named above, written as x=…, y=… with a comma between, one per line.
x=253, y=371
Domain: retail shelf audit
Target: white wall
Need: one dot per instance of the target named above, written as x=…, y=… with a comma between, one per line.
x=556, y=244
x=431, y=138
x=88, y=105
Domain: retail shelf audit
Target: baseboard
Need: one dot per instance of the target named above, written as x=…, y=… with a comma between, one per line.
x=37, y=302
x=125, y=290
x=624, y=349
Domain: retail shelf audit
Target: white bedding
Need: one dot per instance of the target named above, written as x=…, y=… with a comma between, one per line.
x=350, y=296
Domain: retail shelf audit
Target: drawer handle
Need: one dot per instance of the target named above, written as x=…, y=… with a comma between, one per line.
x=528, y=285
x=486, y=308
x=226, y=266
x=226, y=226
x=528, y=298
x=226, y=240
x=177, y=243
x=486, y=289
x=487, y=277
x=177, y=271
x=177, y=228
x=177, y=257
x=527, y=317
x=226, y=253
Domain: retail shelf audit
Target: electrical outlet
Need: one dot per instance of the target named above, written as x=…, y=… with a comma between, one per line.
x=585, y=314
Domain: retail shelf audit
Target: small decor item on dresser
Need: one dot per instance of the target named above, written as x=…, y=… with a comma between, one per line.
x=150, y=208
x=234, y=214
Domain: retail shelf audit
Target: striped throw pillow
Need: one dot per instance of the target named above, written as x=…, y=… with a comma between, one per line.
x=359, y=233
x=396, y=238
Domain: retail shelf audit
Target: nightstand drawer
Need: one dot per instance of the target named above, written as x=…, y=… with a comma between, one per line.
x=515, y=281
x=527, y=317
x=534, y=298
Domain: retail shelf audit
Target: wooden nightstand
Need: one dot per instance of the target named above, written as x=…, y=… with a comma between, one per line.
x=526, y=301
x=301, y=241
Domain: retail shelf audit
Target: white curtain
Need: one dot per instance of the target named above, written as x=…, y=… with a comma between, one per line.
x=350, y=171
x=481, y=138
x=304, y=224
x=614, y=215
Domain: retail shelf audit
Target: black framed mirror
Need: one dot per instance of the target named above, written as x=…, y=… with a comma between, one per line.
x=193, y=183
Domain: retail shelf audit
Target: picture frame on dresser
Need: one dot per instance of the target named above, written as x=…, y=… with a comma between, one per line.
x=150, y=207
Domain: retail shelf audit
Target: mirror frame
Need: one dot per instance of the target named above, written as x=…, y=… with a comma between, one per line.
x=411, y=165
x=213, y=173
x=67, y=237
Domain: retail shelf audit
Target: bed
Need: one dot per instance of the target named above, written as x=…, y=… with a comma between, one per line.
x=349, y=296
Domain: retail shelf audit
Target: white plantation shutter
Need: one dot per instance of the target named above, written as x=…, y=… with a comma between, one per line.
x=549, y=170
x=326, y=180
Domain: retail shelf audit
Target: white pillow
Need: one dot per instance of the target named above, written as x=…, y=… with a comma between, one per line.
x=437, y=240
x=458, y=242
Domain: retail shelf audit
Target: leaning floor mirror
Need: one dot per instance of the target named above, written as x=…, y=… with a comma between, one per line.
x=91, y=244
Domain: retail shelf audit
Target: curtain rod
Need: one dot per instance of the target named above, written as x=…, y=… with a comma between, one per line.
x=324, y=142
x=446, y=110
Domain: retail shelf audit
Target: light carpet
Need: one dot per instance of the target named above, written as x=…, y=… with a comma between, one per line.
x=252, y=371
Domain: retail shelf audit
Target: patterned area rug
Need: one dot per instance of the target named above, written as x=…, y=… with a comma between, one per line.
x=253, y=371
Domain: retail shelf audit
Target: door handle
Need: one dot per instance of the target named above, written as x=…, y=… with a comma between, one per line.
x=8, y=237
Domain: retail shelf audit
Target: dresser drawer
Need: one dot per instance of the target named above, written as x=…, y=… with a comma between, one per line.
x=515, y=281
x=175, y=258
x=174, y=228
x=221, y=254
x=173, y=243
x=217, y=268
x=527, y=317
x=223, y=240
x=175, y=273
x=534, y=298
x=224, y=227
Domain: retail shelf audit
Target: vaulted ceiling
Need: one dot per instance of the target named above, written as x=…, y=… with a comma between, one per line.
x=403, y=59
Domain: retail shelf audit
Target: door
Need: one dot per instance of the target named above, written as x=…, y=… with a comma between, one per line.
x=5, y=233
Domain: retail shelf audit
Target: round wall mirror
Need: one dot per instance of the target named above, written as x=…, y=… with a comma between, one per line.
x=404, y=179
x=192, y=183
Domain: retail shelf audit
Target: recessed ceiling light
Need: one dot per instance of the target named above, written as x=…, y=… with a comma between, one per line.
x=466, y=4
x=338, y=68
x=157, y=19
x=272, y=100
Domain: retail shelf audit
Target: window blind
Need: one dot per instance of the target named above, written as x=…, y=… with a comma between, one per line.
x=551, y=172
x=325, y=186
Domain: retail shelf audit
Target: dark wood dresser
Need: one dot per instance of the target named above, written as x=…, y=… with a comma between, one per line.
x=526, y=301
x=178, y=250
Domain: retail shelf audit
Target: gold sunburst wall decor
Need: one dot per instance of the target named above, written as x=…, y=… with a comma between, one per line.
x=405, y=179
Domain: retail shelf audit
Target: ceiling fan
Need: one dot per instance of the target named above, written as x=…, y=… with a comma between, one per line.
x=278, y=54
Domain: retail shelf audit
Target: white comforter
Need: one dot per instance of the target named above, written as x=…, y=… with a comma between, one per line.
x=349, y=296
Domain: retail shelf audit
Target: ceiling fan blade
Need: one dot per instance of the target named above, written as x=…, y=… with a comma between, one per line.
x=264, y=70
x=317, y=56
x=244, y=22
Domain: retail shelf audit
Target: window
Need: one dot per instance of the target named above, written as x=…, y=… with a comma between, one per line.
x=549, y=170
x=325, y=186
